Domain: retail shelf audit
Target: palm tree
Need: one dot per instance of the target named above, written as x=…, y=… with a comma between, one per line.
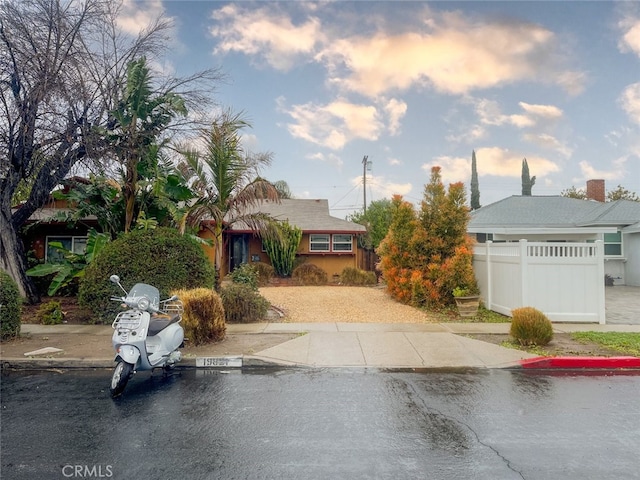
x=226, y=179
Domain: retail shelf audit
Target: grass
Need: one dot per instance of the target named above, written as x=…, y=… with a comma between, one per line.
x=623, y=342
x=447, y=315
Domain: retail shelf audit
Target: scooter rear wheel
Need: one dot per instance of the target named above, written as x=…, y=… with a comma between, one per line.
x=121, y=375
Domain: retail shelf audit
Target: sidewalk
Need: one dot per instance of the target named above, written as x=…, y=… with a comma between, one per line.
x=398, y=345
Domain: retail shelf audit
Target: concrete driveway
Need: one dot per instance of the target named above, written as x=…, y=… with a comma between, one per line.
x=622, y=305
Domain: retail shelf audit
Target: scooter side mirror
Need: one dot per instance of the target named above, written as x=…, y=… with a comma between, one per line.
x=172, y=298
x=114, y=279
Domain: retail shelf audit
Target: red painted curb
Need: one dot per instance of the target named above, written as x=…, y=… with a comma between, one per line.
x=581, y=362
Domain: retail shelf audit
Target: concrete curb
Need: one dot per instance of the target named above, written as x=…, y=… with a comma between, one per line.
x=601, y=363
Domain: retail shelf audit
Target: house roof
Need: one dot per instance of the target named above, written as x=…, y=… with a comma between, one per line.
x=553, y=212
x=310, y=215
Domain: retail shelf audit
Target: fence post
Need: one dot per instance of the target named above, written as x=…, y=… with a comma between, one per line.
x=602, y=316
x=488, y=283
x=524, y=270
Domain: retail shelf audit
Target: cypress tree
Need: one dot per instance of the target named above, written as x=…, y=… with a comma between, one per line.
x=475, y=190
x=527, y=181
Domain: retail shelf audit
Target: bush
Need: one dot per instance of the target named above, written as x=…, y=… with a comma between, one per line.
x=355, y=276
x=10, y=307
x=50, y=313
x=530, y=326
x=245, y=274
x=160, y=257
x=242, y=304
x=309, y=274
x=265, y=272
x=203, y=317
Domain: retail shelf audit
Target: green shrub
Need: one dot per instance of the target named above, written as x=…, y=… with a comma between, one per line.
x=356, y=276
x=265, y=272
x=203, y=317
x=243, y=304
x=160, y=257
x=50, y=313
x=530, y=326
x=245, y=274
x=10, y=307
x=309, y=274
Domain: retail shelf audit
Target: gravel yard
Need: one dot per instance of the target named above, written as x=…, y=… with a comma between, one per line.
x=341, y=304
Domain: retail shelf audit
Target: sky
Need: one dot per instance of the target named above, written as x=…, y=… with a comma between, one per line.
x=412, y=85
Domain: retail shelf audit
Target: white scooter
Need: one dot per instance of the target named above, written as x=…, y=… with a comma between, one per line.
x=147, y=335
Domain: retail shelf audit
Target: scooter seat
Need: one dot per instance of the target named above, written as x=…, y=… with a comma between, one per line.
x=159, y=323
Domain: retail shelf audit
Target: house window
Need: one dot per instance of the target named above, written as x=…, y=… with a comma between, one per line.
x=319, y=242
x=342, y=243
x=74, y=244
x=613, y=244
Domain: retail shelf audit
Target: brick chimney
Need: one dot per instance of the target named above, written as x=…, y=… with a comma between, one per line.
x=595, y=190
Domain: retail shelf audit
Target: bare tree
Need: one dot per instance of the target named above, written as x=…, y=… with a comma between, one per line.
x=62, y=68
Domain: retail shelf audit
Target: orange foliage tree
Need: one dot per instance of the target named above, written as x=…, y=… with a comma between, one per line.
x=427, y=254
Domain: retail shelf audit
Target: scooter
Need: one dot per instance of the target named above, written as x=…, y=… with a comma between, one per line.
x=147, y=335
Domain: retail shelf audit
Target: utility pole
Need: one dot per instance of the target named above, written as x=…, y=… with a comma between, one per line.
x=365, y=163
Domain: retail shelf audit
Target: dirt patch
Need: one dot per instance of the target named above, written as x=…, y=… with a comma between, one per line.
x=561, y=345
x=73, y=314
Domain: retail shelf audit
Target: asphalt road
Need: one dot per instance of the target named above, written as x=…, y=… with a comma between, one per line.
x=321, y=424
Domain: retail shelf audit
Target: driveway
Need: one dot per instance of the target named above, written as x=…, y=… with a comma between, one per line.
x=622, y=305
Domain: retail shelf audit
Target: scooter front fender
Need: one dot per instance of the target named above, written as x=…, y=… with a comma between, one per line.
x=129, y=354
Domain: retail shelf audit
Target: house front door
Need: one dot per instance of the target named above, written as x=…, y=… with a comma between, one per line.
x=239, y=251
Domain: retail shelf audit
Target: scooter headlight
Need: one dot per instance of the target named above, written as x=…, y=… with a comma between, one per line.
x=143, y=303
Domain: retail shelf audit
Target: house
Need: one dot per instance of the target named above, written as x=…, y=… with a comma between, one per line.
x=561, y=219
x=47, y=225
x=327, y=242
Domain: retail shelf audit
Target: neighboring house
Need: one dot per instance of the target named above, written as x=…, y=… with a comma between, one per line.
x=327, y=242
x=562, y=219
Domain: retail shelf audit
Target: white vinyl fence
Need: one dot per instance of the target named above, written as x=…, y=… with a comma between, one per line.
x=563, y=280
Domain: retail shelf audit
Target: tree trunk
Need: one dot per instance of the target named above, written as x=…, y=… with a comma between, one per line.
x=12, y=259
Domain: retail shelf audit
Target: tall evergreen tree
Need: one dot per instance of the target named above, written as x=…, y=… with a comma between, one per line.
x=475, y=190
x=527, y=181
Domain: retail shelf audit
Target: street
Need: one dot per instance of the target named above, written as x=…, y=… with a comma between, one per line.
x=321, y=424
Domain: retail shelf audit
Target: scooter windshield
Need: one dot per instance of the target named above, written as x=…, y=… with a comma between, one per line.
x=140, y=290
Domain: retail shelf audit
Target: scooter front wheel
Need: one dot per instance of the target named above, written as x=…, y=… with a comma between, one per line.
x=121, y=375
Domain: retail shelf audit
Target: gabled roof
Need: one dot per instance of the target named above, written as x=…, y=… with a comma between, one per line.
x=553, y=212
x=310, y=215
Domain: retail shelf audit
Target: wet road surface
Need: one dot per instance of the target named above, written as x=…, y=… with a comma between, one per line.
x=321, y=424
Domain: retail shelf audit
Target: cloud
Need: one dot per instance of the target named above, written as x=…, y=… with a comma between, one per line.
x=548, y=142
x=454, y=169
x=330, y=159
x=134, y=17
x=505, y=163
x=630, y=102
x=382, y=187
x=266, y=33
x=490, y=114
x=395, y=110
x=629, y=25
x=446, y=51
x=334, y=124
x=450, y=53
x=614, y=173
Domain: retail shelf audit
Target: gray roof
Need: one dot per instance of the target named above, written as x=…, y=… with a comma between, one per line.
x=554, y=212
x=310, y=215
